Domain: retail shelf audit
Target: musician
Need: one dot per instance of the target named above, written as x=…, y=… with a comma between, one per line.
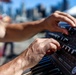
x=35, y=52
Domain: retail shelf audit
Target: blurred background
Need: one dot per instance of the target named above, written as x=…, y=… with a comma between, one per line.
x=29, y=10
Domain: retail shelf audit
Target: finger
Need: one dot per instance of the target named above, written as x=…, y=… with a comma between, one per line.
x=69, y=16
x=56, y=43
x=49, y=52
x=47, y=44
x=53, y=47
x=2, y=32
x=65, y=19
x=62, y=30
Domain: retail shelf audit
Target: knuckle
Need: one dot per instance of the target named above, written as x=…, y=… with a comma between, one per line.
x=55, y=48
x=51, y=45
x=57, y=11
x=66, y=14
x=40, y=46
x=40, y=49
x=63, y=17
x=55, y=15
x=51, y=39
x=37, y=40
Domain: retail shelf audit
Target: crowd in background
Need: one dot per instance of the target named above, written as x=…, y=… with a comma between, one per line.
x=39, y=11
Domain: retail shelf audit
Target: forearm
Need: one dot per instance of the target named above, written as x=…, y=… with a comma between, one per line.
x=22, y=31
x=16, y=66
x=30, y=57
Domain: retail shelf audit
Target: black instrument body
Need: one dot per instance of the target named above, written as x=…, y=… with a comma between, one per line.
x=63, y=62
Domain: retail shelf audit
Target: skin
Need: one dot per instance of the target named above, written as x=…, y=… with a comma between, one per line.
x=35, y=52
x=6, y=20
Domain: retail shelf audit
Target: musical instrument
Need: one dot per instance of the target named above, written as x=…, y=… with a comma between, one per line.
x=63, y=62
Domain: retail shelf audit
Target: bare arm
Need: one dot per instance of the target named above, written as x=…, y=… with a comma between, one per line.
x=16, y=66
x=22, y=31
x=37, y=49
x=30, y=57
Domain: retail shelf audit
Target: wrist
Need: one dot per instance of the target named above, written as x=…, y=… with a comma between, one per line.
x=47, y=23
x=43, y=24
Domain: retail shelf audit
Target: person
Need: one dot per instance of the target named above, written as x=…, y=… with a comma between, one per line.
x=9, y=20
x=36, y=51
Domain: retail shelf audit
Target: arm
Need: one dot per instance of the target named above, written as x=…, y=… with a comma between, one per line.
x=30, y=57
x=22, y=31
x=37, y=49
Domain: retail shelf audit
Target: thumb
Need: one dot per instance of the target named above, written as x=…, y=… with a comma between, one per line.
x=2, y=31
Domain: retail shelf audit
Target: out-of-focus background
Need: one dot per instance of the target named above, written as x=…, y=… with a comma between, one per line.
x=26, y=11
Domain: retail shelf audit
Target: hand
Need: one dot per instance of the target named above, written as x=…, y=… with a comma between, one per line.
x=4, y=21
x=53, y=20
x=38, y=49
